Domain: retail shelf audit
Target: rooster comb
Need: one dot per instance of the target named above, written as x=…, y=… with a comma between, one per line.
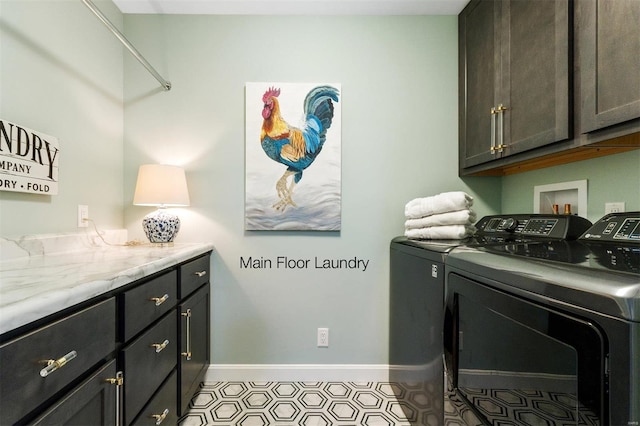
x=272, y=92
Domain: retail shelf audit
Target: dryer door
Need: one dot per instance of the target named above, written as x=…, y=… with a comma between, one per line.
x=513, y=358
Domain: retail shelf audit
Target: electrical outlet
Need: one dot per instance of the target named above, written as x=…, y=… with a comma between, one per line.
x=83, y=216
x=614, y=207
x=323, y=337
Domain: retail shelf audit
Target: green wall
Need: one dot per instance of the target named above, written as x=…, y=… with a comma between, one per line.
x=609, y=179
x=399, y=141
x=61, y=74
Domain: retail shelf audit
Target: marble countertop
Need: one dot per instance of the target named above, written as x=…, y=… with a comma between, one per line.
x=42, y=282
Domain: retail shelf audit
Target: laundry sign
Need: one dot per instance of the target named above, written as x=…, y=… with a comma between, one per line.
x=28, y=160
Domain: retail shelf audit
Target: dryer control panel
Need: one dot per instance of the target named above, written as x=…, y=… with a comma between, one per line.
x=615, y=227
x=564, y=227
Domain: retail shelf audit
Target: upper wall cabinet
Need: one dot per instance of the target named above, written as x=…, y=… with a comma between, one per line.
x=544, y=83
x=609, y=56
x=514, y=78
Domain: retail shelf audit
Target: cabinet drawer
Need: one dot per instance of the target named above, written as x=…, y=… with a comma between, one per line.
x=148, y=302
x=194, y=274
x=91, y=333
x=146, y=366
x=162, y=408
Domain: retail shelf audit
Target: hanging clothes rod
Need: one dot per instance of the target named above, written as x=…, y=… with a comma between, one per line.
x=165, y=84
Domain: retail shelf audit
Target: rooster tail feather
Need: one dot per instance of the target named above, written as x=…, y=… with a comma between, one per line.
x=318, y=102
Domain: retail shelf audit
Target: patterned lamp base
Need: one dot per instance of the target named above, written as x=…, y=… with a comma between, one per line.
x=161, y=226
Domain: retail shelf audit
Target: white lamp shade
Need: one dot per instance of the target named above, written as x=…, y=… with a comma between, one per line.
x=161, y=185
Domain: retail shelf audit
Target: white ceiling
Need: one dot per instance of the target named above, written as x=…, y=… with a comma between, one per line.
x=293, y=7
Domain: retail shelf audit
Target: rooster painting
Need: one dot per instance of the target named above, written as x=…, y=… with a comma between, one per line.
x=297, y=148
x=293, y=147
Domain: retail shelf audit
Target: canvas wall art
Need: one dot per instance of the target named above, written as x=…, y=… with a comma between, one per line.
x=293, y=156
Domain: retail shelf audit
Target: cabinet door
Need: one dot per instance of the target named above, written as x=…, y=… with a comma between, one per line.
x=479, y=71
x=91, y=403
x=609, y=51
x=194, y=340
x=535, y=74
x=513, y=54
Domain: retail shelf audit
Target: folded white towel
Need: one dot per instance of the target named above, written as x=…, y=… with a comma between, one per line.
x=446, y=232
x=460, y=217
x=441, y=203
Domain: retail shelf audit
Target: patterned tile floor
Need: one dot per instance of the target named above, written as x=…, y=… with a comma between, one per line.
x=315, y=404
x=371, y=404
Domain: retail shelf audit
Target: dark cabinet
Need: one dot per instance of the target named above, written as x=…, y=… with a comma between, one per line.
x=148, y=361
x=478, y=81
x=162, y=407
x=193, y=275
x=514, y=77
x=194, y=344
x=609, y=50
x=133, y=356
x=546, y=82
x=164, y=364
x=147, y=302
x=91, y=403
x=46, y=361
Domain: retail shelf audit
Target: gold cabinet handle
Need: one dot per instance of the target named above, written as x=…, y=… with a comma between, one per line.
x=55, y=364
x=201, y=273
x=118, y=381
x=160, y=300
x=497, y=113
x=160, y=417
x=160, y=346
x=187, y=316
x=492, y=148
x=500, y=110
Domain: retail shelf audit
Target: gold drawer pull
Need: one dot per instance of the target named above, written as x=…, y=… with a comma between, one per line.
x=201, y=273
x=160, y=300
x=187, y=315
x=160, y=346
x=54, y=364
x=118, y=381
x=160, y=417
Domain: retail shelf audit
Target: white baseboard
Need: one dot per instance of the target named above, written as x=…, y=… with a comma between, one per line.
x=297, y=373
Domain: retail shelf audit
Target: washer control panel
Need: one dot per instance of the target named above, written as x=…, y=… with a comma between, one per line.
x=618, y=227
x=565, y=227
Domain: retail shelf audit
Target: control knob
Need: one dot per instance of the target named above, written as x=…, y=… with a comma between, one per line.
x=510, y=224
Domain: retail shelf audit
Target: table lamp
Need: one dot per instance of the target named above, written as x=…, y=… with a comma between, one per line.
x=162, y=186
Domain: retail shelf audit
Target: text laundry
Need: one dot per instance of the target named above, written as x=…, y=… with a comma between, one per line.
x=284, y=262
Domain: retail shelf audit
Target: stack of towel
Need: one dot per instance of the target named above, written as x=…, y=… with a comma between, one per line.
x=444, y=216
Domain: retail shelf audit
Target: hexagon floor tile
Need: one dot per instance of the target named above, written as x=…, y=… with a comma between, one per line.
x=312, y=403
x=370, y=404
